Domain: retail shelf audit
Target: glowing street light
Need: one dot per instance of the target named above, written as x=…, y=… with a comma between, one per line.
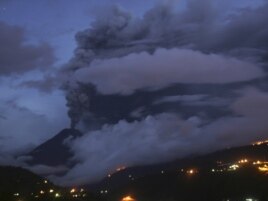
x=57, y=195
x=128, y=198
x=73, y=190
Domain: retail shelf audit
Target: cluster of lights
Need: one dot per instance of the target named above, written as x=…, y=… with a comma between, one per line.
x=217, y=170
x=261, y=165
x=233, y=167
x=259, y=162
x=104, y=191
x=263, y=168
x=77, y=193
x=120, y=168
x=260, y=142
x=243, y=161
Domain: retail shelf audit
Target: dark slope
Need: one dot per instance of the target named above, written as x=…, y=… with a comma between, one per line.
x=18, y=184
x=54, y=152
x=226, y=156
x=15, y=180
x=245, y=184
x=12, y=178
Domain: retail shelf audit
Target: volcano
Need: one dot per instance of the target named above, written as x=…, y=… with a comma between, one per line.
x=55, y=151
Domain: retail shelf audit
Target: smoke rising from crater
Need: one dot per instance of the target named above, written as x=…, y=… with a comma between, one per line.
x=201, y=26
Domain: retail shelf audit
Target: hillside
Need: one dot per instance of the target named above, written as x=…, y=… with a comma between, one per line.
x=18, y=184
x=233, y=174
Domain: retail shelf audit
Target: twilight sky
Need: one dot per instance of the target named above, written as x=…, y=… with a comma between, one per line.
x=163, y=78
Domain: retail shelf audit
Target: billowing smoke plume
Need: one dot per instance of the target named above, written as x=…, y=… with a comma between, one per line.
x=201, y=26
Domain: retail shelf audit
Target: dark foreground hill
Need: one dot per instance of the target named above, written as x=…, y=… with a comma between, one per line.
x=233, y=174
x=246, y=184
x=18, y=184
x=226, y=156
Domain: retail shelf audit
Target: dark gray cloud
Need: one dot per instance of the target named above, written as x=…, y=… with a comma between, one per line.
x=120, y=52
x=202, y=26
x=16, y=56
x=48, y=84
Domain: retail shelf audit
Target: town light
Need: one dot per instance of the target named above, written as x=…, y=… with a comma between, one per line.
x=128, y=198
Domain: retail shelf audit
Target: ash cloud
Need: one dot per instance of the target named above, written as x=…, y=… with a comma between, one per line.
x=202, y=26
x=211, y=36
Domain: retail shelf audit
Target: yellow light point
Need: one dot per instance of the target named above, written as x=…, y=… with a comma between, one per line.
x=120, y=168
x=263, y=169
x=42, y=192
x=243, y=161
x=51, y=190
x=128, y=198
x=45, y=181
x=73, y=190
x=57, y=195
x=258, y=162
x=16, y=194
x=191, y=171
x=82, y=190
x=260, y=142
x=234, y=167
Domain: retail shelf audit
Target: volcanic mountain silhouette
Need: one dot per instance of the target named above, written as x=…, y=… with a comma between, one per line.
x=55, y=151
